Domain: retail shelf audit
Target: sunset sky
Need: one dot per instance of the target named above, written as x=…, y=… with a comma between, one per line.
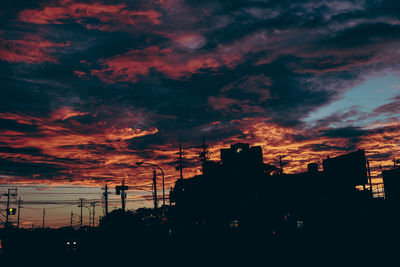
x=89, y=88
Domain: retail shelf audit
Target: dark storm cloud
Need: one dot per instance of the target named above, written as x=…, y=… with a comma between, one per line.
x=287, y=85
x=29, y=169
x=380, y=156
x=24, y=150
x=18, y=127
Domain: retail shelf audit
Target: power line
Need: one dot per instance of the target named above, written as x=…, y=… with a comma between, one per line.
x=47, y=187
x=61, y=193
x=69, y=187
x=73, y=202
x=65, y=206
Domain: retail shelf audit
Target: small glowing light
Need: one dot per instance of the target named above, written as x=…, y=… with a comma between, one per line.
x=234, y=224
x=67, y=243
x=74, y=243
x=238, y=150
x=300, y=224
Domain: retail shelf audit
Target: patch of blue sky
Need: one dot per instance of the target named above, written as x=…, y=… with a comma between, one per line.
x=373, y=92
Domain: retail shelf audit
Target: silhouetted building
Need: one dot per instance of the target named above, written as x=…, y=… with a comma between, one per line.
x=227, y=193
x=391, y=181
x=242, y=193
x=346, y=171
x=242, y=156
x=312, y=167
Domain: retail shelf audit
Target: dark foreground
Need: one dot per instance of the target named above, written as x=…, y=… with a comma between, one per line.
x=199, y=247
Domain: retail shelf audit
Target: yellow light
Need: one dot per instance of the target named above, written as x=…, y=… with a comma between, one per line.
x=10, y=209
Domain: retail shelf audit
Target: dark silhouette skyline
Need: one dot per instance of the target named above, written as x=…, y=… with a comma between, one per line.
x=209, y=126
x=237, y=211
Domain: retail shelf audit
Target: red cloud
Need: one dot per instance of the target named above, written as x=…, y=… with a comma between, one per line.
x=30, y=49
x=175, y=63
x=79, y=155
x=80, y=74
x=110, y=16
x=130, y=66
x=16, y=117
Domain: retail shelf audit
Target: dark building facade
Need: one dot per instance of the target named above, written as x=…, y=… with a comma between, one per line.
x=242, y=192
x=391, y=181
x=349, y=170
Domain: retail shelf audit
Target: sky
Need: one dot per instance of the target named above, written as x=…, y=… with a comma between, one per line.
x=89, y=88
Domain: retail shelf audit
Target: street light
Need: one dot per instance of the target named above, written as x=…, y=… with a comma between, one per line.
x=162, y=173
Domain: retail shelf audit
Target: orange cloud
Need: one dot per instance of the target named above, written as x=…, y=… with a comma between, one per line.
x=65, y=113
x=80, y=157
x=277, y=140
x=104, y=154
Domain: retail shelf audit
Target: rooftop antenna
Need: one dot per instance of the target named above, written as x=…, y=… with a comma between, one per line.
x=204, y=154
x=281, y=163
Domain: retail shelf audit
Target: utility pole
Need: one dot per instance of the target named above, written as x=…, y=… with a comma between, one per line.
x=12, y=192
x=72, y=214
x=155, y=189
x=44, y=214
x=19, y=209
x=162, y=174
x=123, y=195
x=8, y=206
x=94, y=210
x=118, y=190
x=370, y=180
x=181, y=159
x=81, y=205
x=204, y=154
x=105, y=195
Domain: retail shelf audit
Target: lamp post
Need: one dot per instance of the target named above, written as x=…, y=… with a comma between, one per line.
x=162, y=173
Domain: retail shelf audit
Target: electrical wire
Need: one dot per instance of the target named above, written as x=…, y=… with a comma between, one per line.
x=46, y=187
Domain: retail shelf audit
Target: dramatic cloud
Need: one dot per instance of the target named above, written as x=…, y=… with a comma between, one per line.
x=134, y=64
x=107, y=17
x=91, y=87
